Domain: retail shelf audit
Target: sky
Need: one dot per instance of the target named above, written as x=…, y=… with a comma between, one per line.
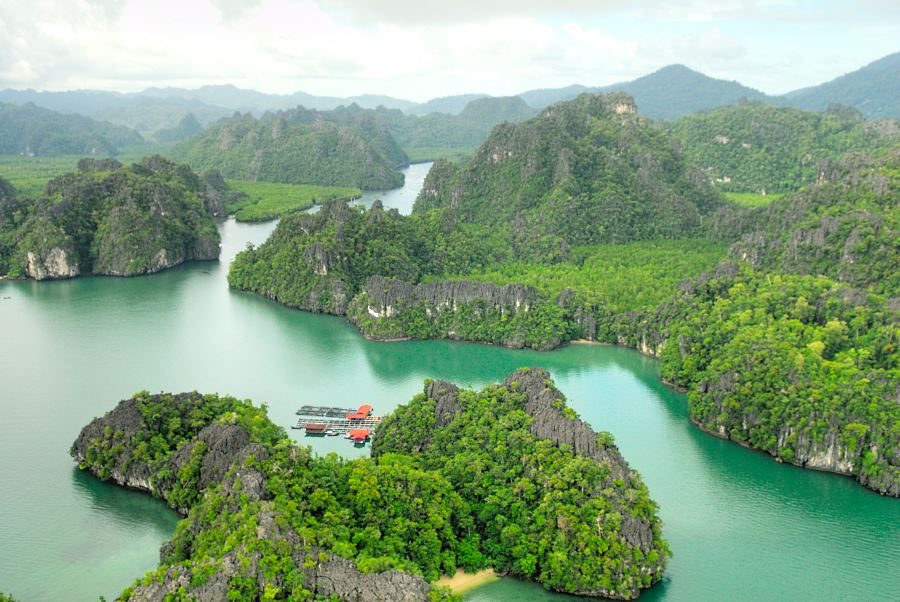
x=425, y=49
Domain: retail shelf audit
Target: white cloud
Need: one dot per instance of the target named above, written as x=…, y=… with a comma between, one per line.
x=414, y=50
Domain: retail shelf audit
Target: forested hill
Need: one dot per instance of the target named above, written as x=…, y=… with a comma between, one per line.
x=665, y=94
x=466, y=130
x=873, y=90
x=753, y=147
x=109, y=219
x=845, y=227
x=677, y=90
x=298, y=147
x=366, y=122
x=584, y=171
x=32, y=131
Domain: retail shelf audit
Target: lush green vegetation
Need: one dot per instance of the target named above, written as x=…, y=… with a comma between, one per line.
x=753, y=147
x=621, y=277
x=108, y=219
x=449, y=153
x=300, y=147
x=536, y=241
x=847, y=227
x=32, y=131
x=871, y=90
x=29, y=175
x=279, y=511
x=752, y=199
x=583, y=172
x=798, y=366
x=539, y=511
x=262, y=201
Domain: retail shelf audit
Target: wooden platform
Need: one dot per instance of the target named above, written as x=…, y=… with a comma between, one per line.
x=342, y=425
x=324, y=412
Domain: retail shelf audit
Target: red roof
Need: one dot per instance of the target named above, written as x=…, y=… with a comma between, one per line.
x=363, y=412
x=359, y=434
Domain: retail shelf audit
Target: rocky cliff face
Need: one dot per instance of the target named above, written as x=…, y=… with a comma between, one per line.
x=111, y=220
x=223, y=445
x=388, y=309
x=545, y=403
x=55, y=263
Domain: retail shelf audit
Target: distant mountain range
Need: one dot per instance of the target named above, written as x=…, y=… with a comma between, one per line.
x=873, y=90
x=666, y=94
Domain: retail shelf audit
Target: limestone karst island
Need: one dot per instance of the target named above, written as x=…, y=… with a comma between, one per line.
x=449, y=302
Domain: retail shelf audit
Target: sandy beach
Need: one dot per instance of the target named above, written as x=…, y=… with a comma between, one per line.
x=465, y=582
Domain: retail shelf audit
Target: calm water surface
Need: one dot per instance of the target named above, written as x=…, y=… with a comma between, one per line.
x=741, y=526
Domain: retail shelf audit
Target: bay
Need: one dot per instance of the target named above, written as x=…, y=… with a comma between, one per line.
x=741, y=527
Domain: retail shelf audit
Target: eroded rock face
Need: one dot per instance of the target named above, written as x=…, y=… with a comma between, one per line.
x=112, y=220
x=544, y=403
x=226, y=465
x=227, y=444
x=385, y=304
x=52, y=264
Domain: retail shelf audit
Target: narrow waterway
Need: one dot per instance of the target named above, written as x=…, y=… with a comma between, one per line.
x=741, y=526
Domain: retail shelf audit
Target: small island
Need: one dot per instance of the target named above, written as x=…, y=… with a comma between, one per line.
x=506, y=478
x=109, y=219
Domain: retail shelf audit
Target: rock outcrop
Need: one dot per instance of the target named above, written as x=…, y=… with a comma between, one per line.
x=55, y=263
x=110, y=220
x=389, y=309
x=224, y=446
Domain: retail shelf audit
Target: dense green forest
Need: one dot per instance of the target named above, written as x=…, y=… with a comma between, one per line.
x=298, y=147
x=586, y=171
x=752, y=147
x=872, y=90
x=845, y=227
x=268, y=520
x=106, y=218
x=535, y=242
x=801, y=367
x=32, y=131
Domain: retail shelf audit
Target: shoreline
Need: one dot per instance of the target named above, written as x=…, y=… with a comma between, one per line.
x=463, y=583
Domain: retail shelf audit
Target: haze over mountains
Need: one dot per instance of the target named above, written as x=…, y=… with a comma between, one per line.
x=666, y=94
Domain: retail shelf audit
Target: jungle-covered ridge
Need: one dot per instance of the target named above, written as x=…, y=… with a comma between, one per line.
x=111, y=219
x=32, y=131
x=446, y=488
x=758, y=148
x=299, y=146
x=514, y=247
x=746, y=142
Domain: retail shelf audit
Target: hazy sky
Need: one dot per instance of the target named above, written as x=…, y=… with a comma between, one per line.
x=419, y=50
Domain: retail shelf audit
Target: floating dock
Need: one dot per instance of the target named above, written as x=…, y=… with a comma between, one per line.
x=319, y=421
x=324, y=412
